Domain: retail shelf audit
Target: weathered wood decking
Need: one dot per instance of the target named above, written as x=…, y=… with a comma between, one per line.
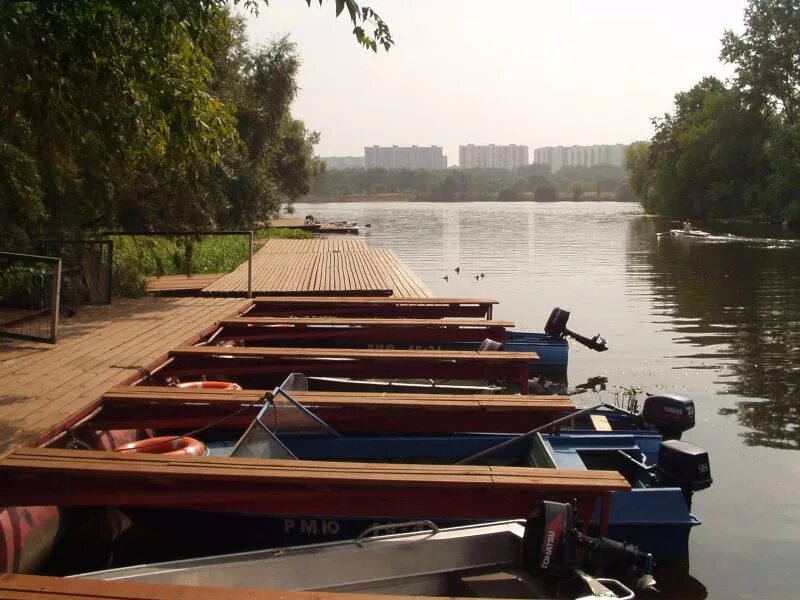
x=41, y=385
x=321, y=267
x=181, y=284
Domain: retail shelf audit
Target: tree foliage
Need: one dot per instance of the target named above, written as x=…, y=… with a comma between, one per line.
x=732, y=150
x=767, y=55
x=147, y=115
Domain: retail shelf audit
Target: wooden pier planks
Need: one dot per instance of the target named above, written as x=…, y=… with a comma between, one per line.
x=42, y=385
x=321, y=267
x=324, y=488
x=180, y=284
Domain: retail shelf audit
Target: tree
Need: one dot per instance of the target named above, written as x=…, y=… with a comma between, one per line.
x=706, y=159
x=117, y=115
x=577, y=190
x=546, y=192
x=639, y=174
x=766, y=55
x=782, y=195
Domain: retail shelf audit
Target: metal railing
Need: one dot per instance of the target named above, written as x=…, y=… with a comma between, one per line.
x=29, y=299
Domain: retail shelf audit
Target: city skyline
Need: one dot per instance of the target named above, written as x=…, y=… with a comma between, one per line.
x=464, y=71
x=470, y=156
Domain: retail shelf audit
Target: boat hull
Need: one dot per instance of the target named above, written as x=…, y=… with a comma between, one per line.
x=656, y=519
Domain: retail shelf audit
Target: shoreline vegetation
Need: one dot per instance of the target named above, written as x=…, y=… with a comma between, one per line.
x=139, y=257
x=411, y=197
x=535, y=182
x=732, y=148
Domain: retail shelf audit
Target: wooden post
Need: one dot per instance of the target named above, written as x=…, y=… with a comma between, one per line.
x=250, y=265
x=55, y=302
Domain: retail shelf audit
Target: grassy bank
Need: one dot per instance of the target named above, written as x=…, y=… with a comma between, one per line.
x=138, y=257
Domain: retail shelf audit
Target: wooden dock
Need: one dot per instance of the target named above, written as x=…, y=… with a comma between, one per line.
x=180, y=284
x=321, y=267
x=42, y=384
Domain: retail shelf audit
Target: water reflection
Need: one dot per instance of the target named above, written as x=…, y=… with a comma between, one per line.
x=734, y=304
x=717, y=321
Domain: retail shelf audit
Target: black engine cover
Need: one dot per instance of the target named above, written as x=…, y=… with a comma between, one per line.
x=685, y=465
x=557, y=323
x=670, y=414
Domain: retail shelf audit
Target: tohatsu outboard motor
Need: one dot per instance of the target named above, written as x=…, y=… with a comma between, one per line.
x=684, y=465
x=551, y=543
x=556, y=327
x=669, y=414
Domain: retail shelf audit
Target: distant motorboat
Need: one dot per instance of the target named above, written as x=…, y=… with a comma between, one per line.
x=697, y=233
x=690, y=232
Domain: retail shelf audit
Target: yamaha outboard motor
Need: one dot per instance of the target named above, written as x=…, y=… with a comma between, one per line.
x=551, y=545
x=669, y=414
x=684, y=465
x=556, y=327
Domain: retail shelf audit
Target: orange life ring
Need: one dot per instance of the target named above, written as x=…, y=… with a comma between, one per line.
x=170, y=445
x=210, y=385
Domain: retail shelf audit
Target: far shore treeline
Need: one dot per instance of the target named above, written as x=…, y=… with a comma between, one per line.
x=732, y=149
x=531, y=182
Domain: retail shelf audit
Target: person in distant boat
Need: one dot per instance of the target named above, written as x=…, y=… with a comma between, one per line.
x=687, y=225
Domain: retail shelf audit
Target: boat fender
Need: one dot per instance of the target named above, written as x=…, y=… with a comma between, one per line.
x=169, y=445
x=210, y=385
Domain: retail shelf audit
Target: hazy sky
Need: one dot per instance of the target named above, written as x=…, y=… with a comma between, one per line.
x=503, y=71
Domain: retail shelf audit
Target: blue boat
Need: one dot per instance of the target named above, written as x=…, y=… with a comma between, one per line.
x=551, y=345
x=654, y=515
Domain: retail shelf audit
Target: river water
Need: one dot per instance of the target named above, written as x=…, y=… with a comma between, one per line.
x=717, y=320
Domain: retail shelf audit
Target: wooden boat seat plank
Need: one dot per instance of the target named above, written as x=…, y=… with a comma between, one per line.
x=38, y=587
x=370, y=322
x=299, y=301
x=358, y=354
x=173, y=395
x=54, y=463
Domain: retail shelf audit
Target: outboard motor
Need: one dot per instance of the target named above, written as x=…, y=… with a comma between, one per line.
x=556, y=327
x=684, y=465
x=670, y=414
x=551, y=545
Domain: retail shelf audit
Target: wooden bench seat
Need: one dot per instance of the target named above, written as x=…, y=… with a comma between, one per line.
x=361, y=332
x=79, y=477
x=422, y=307
x=134, y=407
x=194, y=362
